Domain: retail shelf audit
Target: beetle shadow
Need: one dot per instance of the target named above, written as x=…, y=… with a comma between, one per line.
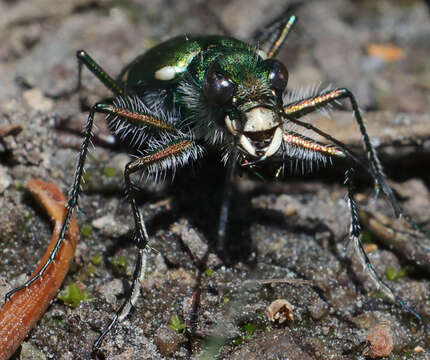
x=199, y=195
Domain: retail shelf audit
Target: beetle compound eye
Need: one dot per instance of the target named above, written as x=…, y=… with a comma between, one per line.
x=278, y=74
x=217, y=88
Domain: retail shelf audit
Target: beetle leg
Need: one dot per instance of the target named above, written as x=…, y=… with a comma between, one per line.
x=276, y=33
x=132, y=121
x=355, y=237
x=175, y=152
x=225, y=205
x=124, y=310
x=103, y=76
x=309, y=150
x=75, y=189
x=295, y=140
x=97, y=70
x=72, y=203
x=299, y=149
x=302, y=107
x=281, y=37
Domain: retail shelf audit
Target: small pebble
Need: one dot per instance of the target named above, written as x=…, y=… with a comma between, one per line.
x=111, y=289
x=381, y=341
x=191, y=239
x=167, y=340
x=318, y=308
x=109, y=226
x=5, y=179
x=38, y=101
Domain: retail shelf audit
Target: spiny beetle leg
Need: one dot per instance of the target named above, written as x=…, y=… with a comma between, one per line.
x=308, y=105
x=152, y=162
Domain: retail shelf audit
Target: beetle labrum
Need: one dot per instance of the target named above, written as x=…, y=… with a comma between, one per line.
x=195, y=92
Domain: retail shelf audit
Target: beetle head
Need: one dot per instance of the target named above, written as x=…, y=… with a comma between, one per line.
x=249, y=90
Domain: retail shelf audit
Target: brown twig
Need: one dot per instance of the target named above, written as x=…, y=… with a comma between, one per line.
x=19, y=315
x=283, y=281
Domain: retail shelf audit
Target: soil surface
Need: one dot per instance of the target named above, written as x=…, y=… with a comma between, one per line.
x=286, y=238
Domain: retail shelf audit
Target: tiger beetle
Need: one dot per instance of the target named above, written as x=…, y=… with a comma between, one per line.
x=192, y=93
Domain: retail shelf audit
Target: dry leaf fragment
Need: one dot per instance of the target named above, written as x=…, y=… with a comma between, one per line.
x=418, y=349
x=368, y=248
x=386, y=52
x=21, y=313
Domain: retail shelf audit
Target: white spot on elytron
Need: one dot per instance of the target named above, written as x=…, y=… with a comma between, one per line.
x=166, y=73
x=260, y=119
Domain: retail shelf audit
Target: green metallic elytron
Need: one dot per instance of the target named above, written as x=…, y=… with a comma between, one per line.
x=191, y=93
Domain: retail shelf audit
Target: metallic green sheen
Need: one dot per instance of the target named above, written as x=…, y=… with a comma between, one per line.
x=180, y=52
